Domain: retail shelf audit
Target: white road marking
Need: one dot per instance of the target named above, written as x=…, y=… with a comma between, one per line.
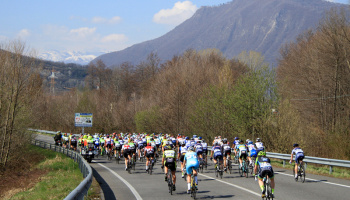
x=133, y=190
x=230, y=184
x=337, y=184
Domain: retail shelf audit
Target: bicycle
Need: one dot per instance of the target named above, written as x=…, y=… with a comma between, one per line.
x=251, y=167
x=205, y=164
x=219, y=170
x=110, y=154
x=193, y=189
x=129, y=166
x=244, y=170
x=301, y=171
x=150, y=166
x=201, y=166
x=133, y=162
x=229, y=164
x=117, y=157
x=267, y=186
x=170, y=182
x=236, y=160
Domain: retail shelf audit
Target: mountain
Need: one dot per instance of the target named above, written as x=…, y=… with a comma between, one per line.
x=82, y=58
x=258, y=25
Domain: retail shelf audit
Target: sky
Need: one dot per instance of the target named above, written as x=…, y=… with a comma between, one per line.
x=93, y=25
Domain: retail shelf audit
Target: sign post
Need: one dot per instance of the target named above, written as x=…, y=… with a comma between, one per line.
x=83, y=120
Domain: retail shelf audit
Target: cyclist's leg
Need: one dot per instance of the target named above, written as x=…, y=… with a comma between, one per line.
x=147, y=162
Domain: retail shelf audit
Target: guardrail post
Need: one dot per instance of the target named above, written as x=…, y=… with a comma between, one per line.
x=305, y=166
x=330, y=169
x=284, y=163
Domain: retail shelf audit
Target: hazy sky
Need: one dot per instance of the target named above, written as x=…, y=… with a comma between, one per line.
x=93, y=25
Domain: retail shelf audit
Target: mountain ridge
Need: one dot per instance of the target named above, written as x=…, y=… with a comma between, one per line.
x=262, y=26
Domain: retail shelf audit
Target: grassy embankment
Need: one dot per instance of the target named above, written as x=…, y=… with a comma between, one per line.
x=60, y=176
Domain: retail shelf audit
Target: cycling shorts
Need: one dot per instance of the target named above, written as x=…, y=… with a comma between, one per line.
x=253, y=153
x=228, y=152
x=266, y=172
x=126, y=153
x=109, y=146
x=118, y=148
x=298, y=157
x=243, y=155
x=150, y=155
x=171, y=165
x=218, y=157
x=199, y=153
x=182, y=157
x=140, y=147
x=190, y=164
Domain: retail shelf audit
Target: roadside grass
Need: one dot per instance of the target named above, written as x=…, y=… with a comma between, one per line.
x=63, y=176
x=337, y=172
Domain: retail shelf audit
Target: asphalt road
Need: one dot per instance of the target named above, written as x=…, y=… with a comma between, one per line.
x=118, y=184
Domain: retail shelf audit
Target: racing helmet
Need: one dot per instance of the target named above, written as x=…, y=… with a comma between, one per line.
x=295, y=145
x=262, y=153
x=191, y=148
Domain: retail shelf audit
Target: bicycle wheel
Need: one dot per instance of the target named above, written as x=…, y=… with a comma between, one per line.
x=170, y=182
x=193, y=187
x=246, y=169
x=268, y=190
x=302, y=173
x=221, y=170
x=296, y=179
x=230, y=166
x=129, y=167
x=150, y=168
x=240, y=171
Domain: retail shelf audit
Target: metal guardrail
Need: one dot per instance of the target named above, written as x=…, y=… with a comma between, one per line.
x=42, y=131
x=315, y=160
x=83, y=188
x=309, y=159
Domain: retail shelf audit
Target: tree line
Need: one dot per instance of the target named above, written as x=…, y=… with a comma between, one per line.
x=304, y=100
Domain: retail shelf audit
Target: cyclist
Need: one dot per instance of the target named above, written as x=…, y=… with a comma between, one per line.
x=226, y=151
x=242, y=151
x=181, y=155
x=299, y=156
x=126, y=154
x=235, y=143
x=264, y=170
x=252, y=151
x=108, y=144
x=102, y=143
x=149, y=152
x=168, y=160
x=259, y=145
x=65, y=141
x=199, y=150
x=118, y=147
x=73, y=143
x=191, y=161
x=217, y=154
x=58, y=137
x=140, y=146
x=132, y=148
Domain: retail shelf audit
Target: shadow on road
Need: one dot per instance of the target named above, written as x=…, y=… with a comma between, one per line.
x=216, y=197
x=107, y=191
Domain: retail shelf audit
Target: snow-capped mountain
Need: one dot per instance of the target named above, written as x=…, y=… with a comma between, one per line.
x=77, y=57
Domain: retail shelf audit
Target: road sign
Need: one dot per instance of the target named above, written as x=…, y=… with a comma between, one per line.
x=83, y=119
